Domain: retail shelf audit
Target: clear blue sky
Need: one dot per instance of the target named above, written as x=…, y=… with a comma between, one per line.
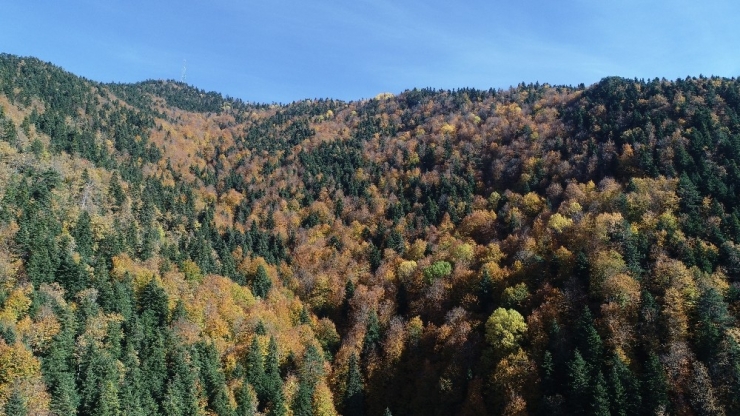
x=281, y=50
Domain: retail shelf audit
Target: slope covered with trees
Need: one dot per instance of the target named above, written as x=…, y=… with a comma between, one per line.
x=537, y=250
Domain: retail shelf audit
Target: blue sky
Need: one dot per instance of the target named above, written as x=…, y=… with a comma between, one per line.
x=281, y=50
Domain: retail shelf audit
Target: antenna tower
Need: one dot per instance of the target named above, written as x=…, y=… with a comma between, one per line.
x=184, y=69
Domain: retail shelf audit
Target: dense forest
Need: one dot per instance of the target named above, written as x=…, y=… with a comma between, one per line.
x=541, y=250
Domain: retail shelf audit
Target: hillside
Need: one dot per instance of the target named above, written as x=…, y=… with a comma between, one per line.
x=538, y=250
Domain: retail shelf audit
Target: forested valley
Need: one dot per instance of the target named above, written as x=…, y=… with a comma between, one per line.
x=539, y=250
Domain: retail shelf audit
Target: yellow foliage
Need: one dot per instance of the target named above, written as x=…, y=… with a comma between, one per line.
x=191, y=271
x=495, y=271
x=532, y=204
x=141, y=273
x=16, y=304
x=559, y=222
x=16, y=362
x=622, y=289
x=415, y=328
x=504, y=329
x=607, y=223
x=462, y=252
x=605, y=265
x=513, y=379
x=406, y=269
x=447, y=129
x=417, y=249
x=323, y=400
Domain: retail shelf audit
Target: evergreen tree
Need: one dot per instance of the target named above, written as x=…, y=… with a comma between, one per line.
x=16, y=405
x=273, y=381
x=354, y=396
x=245, y=401
x=261, y=284
x=624, y=389
x=372, y=334
x=256, y=370
x=214, y=380
x=83, y=236
x=588, y=340
x=579, y=385
x=599, y=396
x=713, y=320
x=311, y=371
x=131, y=389
x=655, y=386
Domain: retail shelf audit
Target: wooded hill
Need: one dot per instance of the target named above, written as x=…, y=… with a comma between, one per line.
x=538, y=250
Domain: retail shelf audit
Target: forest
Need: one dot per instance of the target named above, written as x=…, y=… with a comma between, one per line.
x=538, y=250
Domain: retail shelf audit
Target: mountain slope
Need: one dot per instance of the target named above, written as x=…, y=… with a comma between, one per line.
x=542, y=249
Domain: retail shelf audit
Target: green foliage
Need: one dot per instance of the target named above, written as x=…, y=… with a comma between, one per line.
x=354, y=395
x=437, y=270
x=113, y=193
x=261, y=283
x=16, y=404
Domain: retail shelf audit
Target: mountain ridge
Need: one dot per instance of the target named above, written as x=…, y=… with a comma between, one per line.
x=542, y=249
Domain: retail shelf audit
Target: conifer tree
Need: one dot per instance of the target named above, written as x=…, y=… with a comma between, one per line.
x=372, y=334
x=245, y=401
x=16, y=405
x=261, y=284
x=354, y=396
x=579, y=385
x=655, y=386
x=600, y=396
x=273, y=381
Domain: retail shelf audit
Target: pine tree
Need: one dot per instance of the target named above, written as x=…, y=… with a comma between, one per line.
x=131, y=388
x=273, y=381
x=624, y=389
x=83, y=236
x=354, y=395
x=256, y=370
x=261, y=284
x=579, y=384
x=655, y=386
x=245, y=401
x=372, y=334
x=713, y=320
x=16, y=405
x=214, y=380
x=588, y=340
x=599, y=396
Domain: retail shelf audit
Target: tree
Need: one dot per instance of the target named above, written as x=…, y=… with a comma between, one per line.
x=579, y=385
x=261, y=284
x=702, y=397
x=354, y=395
x=311, y=372
x=713, y=320
x=504, y=330
x=372, y=333
x=16, y=405
x=655, y=386
x=214, y=380
x=245, y=401
x=83, y=236
x=273, y=381
x=624, y=389
x=599, y=396
x=256, y=370
x=588, y=340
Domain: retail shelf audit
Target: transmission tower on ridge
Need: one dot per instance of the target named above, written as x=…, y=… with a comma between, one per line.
x=184, y=68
